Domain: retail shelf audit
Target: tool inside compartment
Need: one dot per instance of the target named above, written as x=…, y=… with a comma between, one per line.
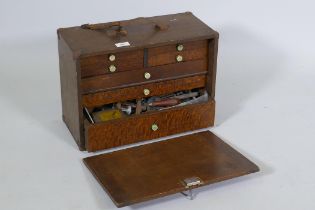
x=128, y=108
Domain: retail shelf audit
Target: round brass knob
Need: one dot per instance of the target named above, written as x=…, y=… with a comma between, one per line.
x=112, y=68
x=179, y=58
x=154, y=127
x=112, y=57
x=146, y=92
x=147, y=75
x=180, y=47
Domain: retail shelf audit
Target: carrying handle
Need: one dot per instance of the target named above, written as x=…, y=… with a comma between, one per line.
x=161, y=26
x=102, y=26
x=120, y=27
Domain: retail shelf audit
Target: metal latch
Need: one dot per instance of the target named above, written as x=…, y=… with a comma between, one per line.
x=189, y=184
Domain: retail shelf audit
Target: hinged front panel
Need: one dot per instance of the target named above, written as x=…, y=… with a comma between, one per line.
x=155, y=170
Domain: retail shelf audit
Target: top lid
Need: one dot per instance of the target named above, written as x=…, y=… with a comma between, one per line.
x=139, y=33
x=158, y=169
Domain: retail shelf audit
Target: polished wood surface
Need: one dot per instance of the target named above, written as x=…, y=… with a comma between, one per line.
x=70, y=93
x=136, y=92
x=158, y=169
x=99, y=64
x=141, y=34
x=86, y=81
x=163, y=55
x=212, y=66
x=137, y=128
x=136, y=77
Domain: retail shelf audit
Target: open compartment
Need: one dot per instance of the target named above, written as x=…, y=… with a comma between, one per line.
x=127, y=108
x=193, y=110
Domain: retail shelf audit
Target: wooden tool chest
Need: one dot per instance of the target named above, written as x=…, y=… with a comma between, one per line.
x=135, y=80
x=165, y=54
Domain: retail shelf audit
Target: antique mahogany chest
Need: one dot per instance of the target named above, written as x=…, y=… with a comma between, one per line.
x=135, y=80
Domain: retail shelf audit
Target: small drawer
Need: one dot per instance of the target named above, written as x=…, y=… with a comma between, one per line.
x=111, y=63
x=177, y=53
x=139, y=77
x=137, y=92
x=148, y=126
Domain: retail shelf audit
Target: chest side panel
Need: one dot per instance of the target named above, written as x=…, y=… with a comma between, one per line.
x=70, y=92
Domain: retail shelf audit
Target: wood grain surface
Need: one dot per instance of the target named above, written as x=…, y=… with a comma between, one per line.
x=83, y=54
x=167, y=54
x=136, y=77
x=158, y=169
x=212, y=66
x=137, y=128
x=98, y=64
x=70, y=96
x=136, y=92
x=142, y=33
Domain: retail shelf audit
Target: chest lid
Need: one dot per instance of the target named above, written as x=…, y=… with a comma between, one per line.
x=136, y=33
x=158, y=169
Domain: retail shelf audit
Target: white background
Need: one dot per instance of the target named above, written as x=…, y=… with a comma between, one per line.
x=265, y=103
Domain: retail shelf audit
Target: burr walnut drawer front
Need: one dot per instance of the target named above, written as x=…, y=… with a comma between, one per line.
x=147, y=126
x=176, y=53
x=110, y=63
x=138, y=92
x=143, y=76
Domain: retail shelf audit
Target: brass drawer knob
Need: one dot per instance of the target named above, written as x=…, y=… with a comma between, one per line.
x=154, y=127
x=111, y=57
x=180, y=47
x=147, y=75
x=146, y=92
x=112, y=68
x=179, y=58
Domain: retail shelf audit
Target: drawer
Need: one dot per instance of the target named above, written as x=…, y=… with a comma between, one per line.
x=139, y=127
x=137, y=92
x=138, y=77
x=99, y=64
x=168, y=54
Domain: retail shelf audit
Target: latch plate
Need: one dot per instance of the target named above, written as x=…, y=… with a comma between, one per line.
x=189, y=184
x=192, y=181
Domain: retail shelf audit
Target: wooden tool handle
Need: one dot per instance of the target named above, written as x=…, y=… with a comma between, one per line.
x=165, y=102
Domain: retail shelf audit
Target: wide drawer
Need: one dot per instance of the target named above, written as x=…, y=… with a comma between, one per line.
x=138, y=77
x=137, y=92
x=168, y=54
x=99, y=64
x=139, y=127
